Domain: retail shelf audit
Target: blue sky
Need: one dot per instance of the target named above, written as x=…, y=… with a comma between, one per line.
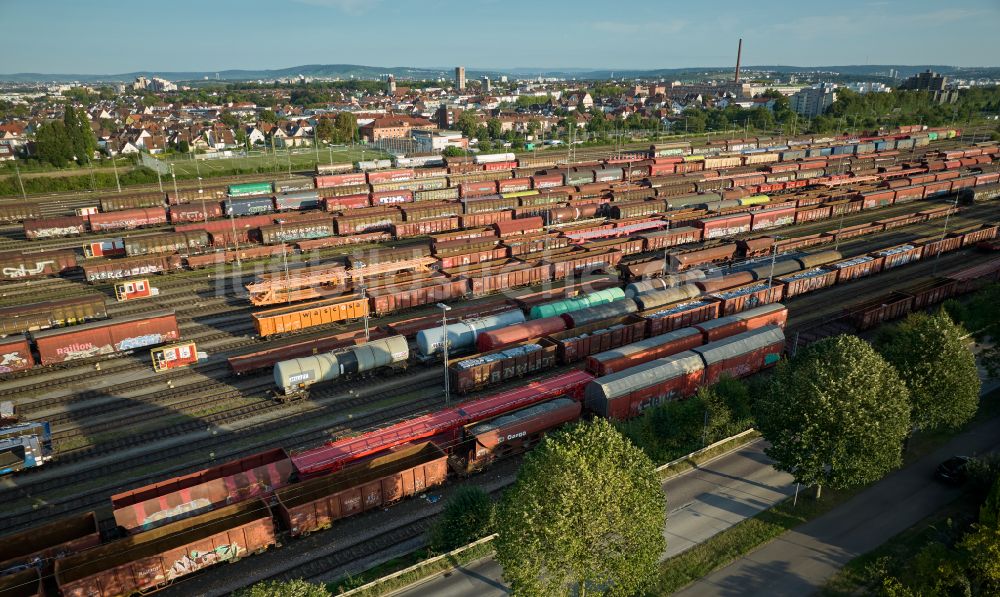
x=113, y=36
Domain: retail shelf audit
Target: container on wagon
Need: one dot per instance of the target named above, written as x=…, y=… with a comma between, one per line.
x=177, y=356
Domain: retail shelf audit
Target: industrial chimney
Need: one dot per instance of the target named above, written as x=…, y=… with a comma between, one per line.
x=739, y=52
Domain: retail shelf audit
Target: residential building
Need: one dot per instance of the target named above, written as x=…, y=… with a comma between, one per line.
x=393, y=127
x=934, y=83
x=813, y=101
x=460, y=77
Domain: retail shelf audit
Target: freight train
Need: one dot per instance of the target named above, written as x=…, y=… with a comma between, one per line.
x=24, y=446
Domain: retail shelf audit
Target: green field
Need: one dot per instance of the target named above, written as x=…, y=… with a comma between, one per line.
x=296, y=160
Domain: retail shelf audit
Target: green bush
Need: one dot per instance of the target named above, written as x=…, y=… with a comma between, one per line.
x=467, y=516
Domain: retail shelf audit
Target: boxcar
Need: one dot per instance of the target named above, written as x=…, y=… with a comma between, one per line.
x=298, y=200
x=644, y=351
x=280, y=233
x=194, y=241
x=18, y=212
x=248, y=206
x=106, y=337
x=49, y=314
x=118, y=269
x=21, y=266
x=128, y=219
x=131, y=201
x=143, y=562
x=15, y=354
x=479, y=371
x=54, y=227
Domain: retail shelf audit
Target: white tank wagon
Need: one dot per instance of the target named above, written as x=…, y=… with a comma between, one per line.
x=295, y=375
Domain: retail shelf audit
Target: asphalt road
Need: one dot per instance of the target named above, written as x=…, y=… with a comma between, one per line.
x=702, y=502
x=801, y=561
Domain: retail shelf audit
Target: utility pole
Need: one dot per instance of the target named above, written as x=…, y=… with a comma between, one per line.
x=444, y=343
x=774, y=255
x=19, y=183
x=944, y=231
x=115, y=167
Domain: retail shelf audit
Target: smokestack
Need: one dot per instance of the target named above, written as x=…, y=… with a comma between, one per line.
x=739, y=52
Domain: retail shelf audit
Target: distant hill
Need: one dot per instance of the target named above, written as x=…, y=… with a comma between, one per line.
x=348, y=71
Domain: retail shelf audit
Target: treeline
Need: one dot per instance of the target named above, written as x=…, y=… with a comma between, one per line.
x=60, y=142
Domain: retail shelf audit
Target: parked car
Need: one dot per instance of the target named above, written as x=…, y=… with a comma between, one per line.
x=953, y=470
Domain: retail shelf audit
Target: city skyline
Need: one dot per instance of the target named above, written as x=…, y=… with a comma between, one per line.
x=515, y=34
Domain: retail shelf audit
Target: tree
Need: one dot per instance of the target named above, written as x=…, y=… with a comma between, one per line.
x=586, y=514
x=494, y=128
x=453, y=152
x=81, y=137
x=836, y=414
x=468, y=123
x=930, y=354
x=982, y=546
x=325, y=129
x=277, y=588
x=183, y=146
x=467, y=516
x=229, y=119
x=53, y=144
x=268, y=116
x=981, y=316
x=346, y=125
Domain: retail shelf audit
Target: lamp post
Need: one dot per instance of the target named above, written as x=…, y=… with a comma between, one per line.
x=774, y=255
x=444, y=344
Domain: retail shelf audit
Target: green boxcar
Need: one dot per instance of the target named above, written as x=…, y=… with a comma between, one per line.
x=601, y=297
x=250, y=188
x=932, y=136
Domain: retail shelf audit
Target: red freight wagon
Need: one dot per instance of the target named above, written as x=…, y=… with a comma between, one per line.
x=512, y=334
x=133, y=289
x=128, y=219
x=98, y=338
x=392, y=197
x=743, y=354
x=144, y=562
x=316, y=504
x=388, y=299
x=480, y=220
x=513, y=185
x=723, y=327
x=21, y=266
x=579, y=343
x=655, y=347
x=545, y=181
x=662, y=239
x=772, y=218
x=478, y=371
x=813, y=213
x=155, y=505
x=933, y=189
x=54, y=227
x=521, y=226
x=390, y=176
x=424, y=227
x=879, y=198
x=346, y=202
x=452, y=260
x=675, y=317
x=371, y=222
x=193, y=212
x=174, y=357
x=718, y=254
x=722, y=226
x=911, y=193
x=857, y=267
x=222, y=231
x=15, y=355
x=716, y=283
x=340, y=180
x=871, y=313
x=626, y=394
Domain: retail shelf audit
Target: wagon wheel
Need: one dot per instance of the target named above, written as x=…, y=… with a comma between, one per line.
x=305, y=534
x=260, y=550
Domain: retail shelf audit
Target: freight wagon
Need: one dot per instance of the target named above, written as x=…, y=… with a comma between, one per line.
x=15, y=213
x=54, y=227
x=131, y=201
x=250, y=188
x=307, y=315
x=184, y=243
x=295, y=375
x=128, y=219
x=100, y=338
x=50, y=314
x=23, y=266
